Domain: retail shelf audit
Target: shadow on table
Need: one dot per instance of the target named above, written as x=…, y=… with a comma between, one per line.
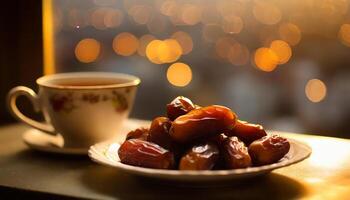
x=51, y=161
x=115, y=184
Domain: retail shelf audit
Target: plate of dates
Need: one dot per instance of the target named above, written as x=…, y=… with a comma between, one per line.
x=194, y=143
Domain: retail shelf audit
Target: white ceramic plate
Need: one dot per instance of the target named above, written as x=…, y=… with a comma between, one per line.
x=106, y=153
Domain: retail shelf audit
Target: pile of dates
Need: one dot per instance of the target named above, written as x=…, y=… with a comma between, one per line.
x=201, y=138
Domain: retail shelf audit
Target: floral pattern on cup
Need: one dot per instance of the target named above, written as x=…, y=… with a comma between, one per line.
x=66, y=103
x=119, y=101
x=91, y=98
x=63, y=103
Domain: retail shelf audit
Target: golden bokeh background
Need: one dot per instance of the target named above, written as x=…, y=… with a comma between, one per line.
x=261, y=57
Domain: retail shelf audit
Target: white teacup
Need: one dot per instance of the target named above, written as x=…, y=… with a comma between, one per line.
x=85, y=107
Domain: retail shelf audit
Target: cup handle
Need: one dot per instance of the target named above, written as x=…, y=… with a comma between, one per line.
x=32, y=96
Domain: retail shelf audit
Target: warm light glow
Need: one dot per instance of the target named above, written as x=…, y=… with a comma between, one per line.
x=232, y=25
x=152, y=51
x=212, y=32
x=169, y=51
x=113, y=18
x=105, y=2
x=48, y=37
x=238, y=54
x=143, y=42
x=87, y=50
x=265, y=59
x=290, y=33
x=141, y=14
x=315, y=90
x=191, y=14
x=76, y=18
x=97, y=18
x=184, y=40
x=325, y=157
x=223, y=46
x=157, y=24
x=210, y=15
x=166, y=51
x=229, y=9
x=266, y=35
x=344, y=34
x=266, y=13
x=168, y=8
x=179, y=74
x=125, y=44
x=282, y=50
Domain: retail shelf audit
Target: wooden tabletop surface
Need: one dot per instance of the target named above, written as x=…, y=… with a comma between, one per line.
x=325, y=175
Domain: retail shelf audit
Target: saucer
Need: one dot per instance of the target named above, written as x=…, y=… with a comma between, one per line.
x=44, y=142
x=41, y=141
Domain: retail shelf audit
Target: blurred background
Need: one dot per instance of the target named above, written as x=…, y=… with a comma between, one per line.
x=284, y=64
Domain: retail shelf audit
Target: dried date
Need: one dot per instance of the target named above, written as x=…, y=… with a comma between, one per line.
x=202, y=123
x=159, y=132
x=179, y=106
x=235, y=154
x=145, y=154
x=200, y=157
x=268, y=149
x=247, y=132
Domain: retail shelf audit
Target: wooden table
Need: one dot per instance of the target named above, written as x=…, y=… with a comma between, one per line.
x=24, y=172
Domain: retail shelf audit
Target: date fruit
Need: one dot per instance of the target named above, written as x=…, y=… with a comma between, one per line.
x=179, y=106
x=145, y=154
x=159, y=132
x=201, y=123
x=200, y=157
x=247, y=132
x=140, y=133
x=235, y=154
x=218, y=139
x=268, y=149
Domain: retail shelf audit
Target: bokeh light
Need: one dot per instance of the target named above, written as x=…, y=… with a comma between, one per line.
x=282, y=50
x=315, y=90
x=229, y=9
x=191, y=14
x=141, y=14
x=344, y=34
x=179, y=74
x=290, y=33
x=238, y=54
x=166, y=51
x=267, y=34
x=97, y=18
x=157, y=24
x=76, y=18
x=169, y=51
x=87, y=50
x=210, y=15
x=265, y=59
x=169, y=7
x=125, y=44
x=113, y=18
x=105, y=2
x=232, y=25
x=185, y=41
x=143, y=42
x=266, y=12
x=152, y=51
x=212, y=32
x=223, y=46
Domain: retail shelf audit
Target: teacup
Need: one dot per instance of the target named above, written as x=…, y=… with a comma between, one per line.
x=84, y=107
